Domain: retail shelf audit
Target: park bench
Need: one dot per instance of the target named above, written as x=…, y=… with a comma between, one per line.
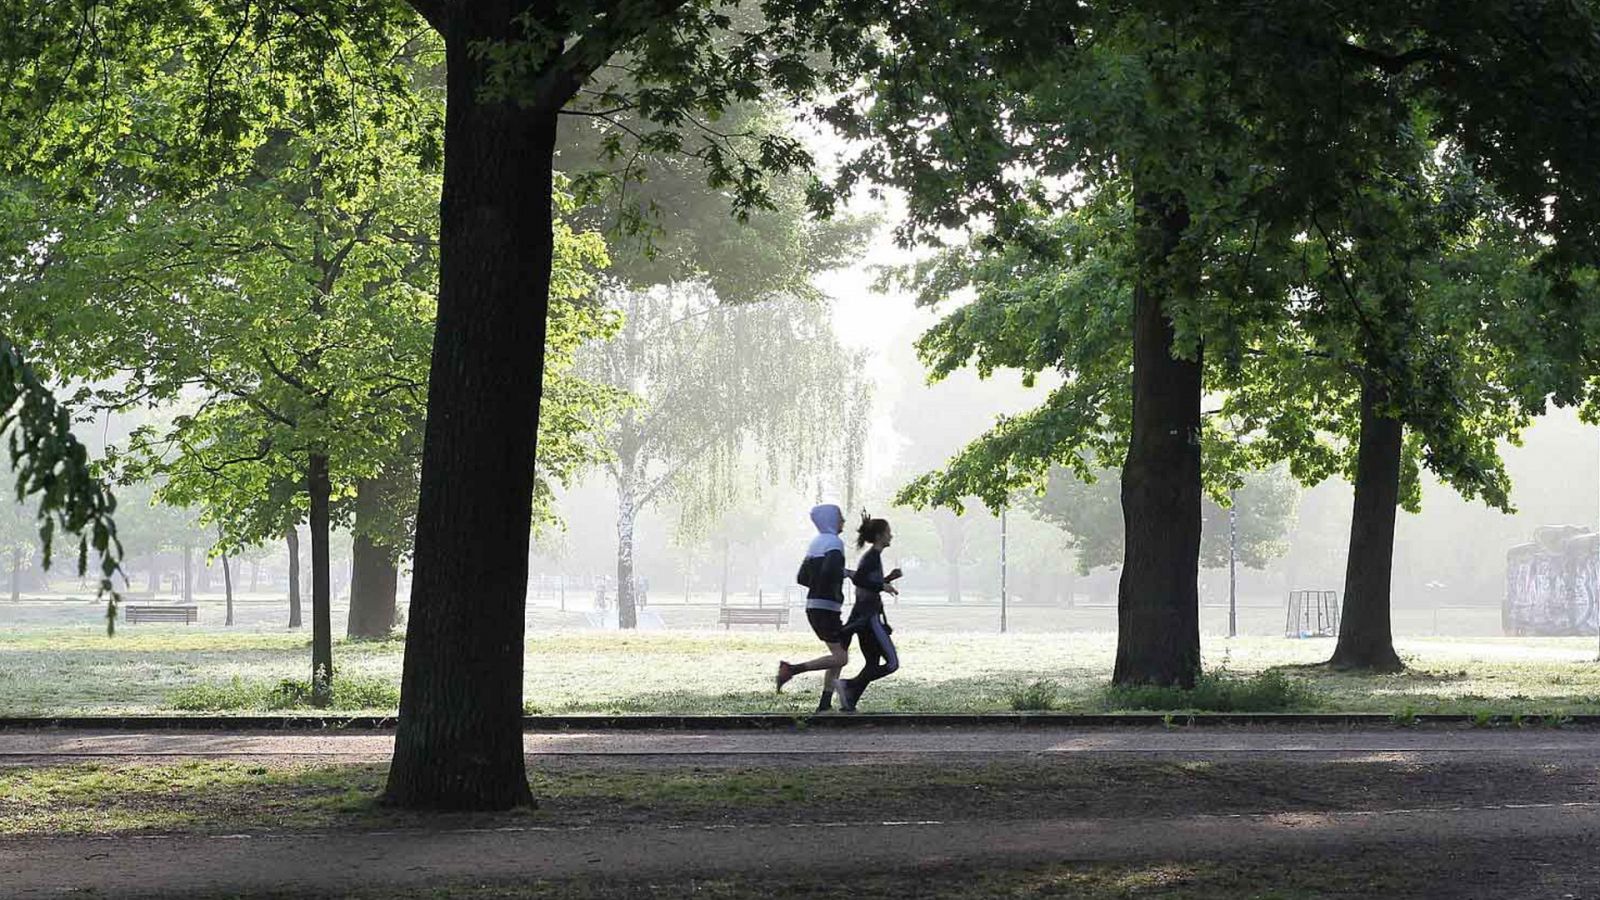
x=188, y=615
x=753, y=615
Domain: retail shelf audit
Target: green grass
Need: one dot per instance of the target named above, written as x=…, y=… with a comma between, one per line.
x=232, y=797
x=65, y=671
x=359, y=692
x=1220, y=691
x=210, y=796
x=1268, y=879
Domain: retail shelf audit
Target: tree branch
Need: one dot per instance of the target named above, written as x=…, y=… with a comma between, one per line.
x=1391, y=63
x=431, y=11
x=623, y=22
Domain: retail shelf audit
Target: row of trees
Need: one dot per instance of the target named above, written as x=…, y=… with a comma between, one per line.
x=1339, y=231
x=1252, y=183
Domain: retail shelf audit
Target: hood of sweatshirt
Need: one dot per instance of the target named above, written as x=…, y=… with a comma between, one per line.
x=828, y=518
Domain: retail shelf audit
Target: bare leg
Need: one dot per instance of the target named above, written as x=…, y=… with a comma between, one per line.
x=838, y=656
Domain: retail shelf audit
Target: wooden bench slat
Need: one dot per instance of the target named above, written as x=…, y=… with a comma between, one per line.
x=753, y=615
x=184, y=614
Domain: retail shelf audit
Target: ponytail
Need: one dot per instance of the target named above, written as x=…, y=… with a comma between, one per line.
x=869, y=530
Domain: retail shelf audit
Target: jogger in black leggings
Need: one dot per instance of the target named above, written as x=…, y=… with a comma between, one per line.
x=867, y=621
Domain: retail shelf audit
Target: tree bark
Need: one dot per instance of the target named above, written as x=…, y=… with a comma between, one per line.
x=292, y=536
x=320, y=490
x=1158, y=614
x=459, y=740
x=374, y=571
x=627, y=517
x=16, y=574
x=1366, y=639
x=227, y=588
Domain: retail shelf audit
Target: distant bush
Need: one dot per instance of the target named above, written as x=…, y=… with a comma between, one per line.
x=1218, y=691
x=236, y=694
x=1035, y=696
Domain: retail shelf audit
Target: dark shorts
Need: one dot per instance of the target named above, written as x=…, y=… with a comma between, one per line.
x=827, y=625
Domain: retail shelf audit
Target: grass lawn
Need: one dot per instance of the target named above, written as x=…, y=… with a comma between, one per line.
x=214, y=796
x=1338, y=876
x=149, y=669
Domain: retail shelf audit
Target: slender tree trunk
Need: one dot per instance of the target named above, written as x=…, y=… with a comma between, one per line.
x=459, y=740
x=155, y=576
x=317, y=484
x=1366, y=640
x=374, y=572
x=727, y=552
x=292, y=536
x=627, y=517
x=255, y=575
x=16, y=574
x=227, y=588
x=188, y=574
x=1158, y=601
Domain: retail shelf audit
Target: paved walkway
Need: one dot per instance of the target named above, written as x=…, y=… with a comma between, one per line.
x=864, y=745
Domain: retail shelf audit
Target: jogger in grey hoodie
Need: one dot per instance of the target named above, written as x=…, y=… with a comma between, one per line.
x=822, y=573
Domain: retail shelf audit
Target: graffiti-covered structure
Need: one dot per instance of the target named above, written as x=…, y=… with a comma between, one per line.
x=1550, y=583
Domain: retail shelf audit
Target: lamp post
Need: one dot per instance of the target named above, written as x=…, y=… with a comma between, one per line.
x=1233, y=559
x=1002, y=570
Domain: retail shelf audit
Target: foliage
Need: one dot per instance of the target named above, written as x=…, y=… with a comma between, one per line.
x=725, y=347
x=709, y=382
x=292, y=309
x=53, y=464
x=1091, y=515
x=1218, y=691
x=236, y=694
x=1036, y=696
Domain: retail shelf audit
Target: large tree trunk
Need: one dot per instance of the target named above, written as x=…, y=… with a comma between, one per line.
x=317, y=484
x=227, y=588
x=627, y=517
x=1158, y=615
x=374, y=571
x=459, y=740
x=1366, y=639
x=292, y=536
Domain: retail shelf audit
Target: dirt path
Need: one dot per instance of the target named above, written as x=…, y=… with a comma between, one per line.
x=176, y=865
x=1407, y=817
x=865, y=744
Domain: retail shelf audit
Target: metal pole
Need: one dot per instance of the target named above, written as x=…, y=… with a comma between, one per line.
x=1002, y=570
x=1233, y=558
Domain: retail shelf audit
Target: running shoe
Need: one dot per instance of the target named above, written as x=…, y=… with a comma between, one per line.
x=785, y=672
